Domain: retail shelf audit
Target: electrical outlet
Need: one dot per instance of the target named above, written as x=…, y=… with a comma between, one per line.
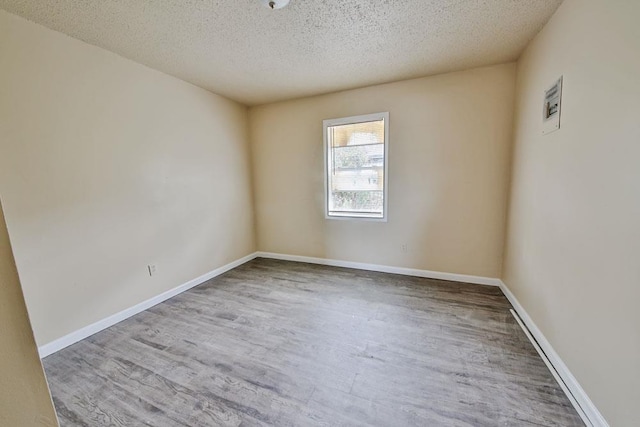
x=152, y=269
x=404, y=248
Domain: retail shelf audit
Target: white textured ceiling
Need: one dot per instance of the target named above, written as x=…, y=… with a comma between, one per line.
x=244, y=51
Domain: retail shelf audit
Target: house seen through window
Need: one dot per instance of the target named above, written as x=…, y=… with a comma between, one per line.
x=356, y=163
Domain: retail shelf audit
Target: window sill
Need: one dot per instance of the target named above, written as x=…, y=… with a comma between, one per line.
x=356, y=216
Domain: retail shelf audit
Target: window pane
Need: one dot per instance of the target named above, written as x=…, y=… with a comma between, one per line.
x=358, y=156
x=358, y=133
x=357, y=201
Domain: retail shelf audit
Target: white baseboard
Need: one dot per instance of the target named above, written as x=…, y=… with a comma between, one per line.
x=65, y=341
x=576, y=394
x=385, y=269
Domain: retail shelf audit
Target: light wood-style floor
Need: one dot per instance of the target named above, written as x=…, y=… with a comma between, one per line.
x=292, y=344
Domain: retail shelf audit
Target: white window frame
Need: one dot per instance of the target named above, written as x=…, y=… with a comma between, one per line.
x=346, y=121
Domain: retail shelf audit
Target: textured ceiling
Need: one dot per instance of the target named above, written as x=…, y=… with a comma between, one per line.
x=244, y=51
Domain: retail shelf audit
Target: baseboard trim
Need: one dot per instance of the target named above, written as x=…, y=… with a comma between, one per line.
x=568, y=382
x=574, y=391
x=479, y=280
x=72, y=338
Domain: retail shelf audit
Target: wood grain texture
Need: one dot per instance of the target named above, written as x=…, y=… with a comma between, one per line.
x=283, y=343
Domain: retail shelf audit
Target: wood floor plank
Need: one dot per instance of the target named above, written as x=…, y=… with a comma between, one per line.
x=291, y=344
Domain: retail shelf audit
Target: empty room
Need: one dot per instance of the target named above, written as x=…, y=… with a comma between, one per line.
x=319, y=213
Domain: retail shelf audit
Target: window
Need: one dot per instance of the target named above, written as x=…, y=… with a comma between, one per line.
x=356, y=166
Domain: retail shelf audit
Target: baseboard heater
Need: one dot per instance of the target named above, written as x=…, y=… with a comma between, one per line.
x=552, y=369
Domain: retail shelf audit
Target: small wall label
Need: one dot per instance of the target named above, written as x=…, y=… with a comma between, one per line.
x=551, y=108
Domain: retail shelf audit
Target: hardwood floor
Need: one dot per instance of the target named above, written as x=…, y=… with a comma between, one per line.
x=291, y=344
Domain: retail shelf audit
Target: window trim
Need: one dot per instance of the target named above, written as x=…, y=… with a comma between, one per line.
x=385, y=191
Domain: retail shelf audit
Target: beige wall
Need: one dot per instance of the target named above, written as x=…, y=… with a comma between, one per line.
x=449, y=148
x=24, y=395
x=573, y=247
x=107, y=166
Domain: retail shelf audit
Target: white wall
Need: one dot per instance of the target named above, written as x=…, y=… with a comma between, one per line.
x=573, y=246
x=107, y=166
x=449, y=149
